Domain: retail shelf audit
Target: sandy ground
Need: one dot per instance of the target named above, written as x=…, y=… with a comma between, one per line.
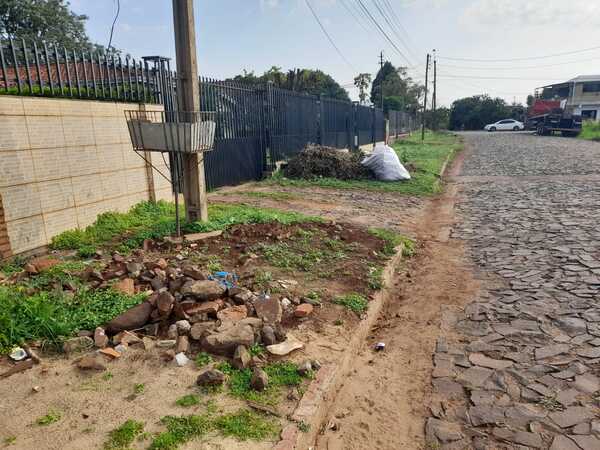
x=91, y=405
x=383, y=404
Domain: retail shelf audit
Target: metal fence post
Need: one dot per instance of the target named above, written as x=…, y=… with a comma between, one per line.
x=321, y=120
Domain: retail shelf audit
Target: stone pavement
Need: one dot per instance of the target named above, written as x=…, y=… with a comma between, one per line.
x=524, y=370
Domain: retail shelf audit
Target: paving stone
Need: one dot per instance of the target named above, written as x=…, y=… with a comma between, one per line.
x=587, y=383
x=551, y=350
x=563, y=443
x=587, y=442
x=567, y=397
x=474, y=377
x=479, y=359
x=482, y=415
x=572, y=416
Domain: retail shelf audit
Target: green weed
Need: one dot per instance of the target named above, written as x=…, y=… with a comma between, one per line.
x=13, y=265
x=52, y=316
x=139, y=388
x=121, y=438
x=590, y=131
x=181, y=430
x=10, y=440
x=245, y=425
x=62, y=273
x=262, y=279
x=354, y=302
x=50, y=418
x=303, y=426
x=392, y=240
x=187, y=400
x=375, y=278
x=214, y=264
x=257, y=350
x=149, y=220
x=203, y=359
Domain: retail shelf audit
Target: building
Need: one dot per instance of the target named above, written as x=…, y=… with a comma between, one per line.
x=581, y=95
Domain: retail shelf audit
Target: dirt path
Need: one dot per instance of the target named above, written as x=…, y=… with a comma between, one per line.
x=384, y=403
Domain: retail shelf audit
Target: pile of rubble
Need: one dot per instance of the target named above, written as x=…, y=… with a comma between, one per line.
x=188, y=310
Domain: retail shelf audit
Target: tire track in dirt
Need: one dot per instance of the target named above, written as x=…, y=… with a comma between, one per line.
x=384, y=402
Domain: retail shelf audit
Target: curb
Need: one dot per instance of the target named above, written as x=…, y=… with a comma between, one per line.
x=315, y=403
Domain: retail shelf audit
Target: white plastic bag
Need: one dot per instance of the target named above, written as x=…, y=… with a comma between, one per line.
x=386, y=165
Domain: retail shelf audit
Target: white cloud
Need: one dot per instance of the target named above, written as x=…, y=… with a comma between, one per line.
x=531, y=13
x=269, y=4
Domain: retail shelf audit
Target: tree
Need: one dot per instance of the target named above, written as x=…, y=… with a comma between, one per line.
x=362, y=82
x=530, y=100
x=473, y=113
x=400, y=92
x=49, y=20
x=315, y=82
x=438, y=120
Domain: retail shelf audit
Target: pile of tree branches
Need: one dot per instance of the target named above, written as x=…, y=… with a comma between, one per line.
x=317, y=161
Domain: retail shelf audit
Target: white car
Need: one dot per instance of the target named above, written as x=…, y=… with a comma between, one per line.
x=505, y=125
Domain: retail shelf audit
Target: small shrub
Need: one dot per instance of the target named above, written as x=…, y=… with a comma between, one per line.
x=375, y=278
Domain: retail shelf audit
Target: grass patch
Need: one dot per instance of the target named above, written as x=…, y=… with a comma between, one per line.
x=50, y=418
x=52, y=316
x=245, y=425
x=375, y=278
x=203, y=359
x=354, y=302
x=392, y=240
x=12, y=265
x=62, y=273
x=276, y=195
x=424, y=160
x=281, y=374
x=148, y=220
x=187, y=400
x=590, y=131
x=121, y=438
x=181, y=430
x=302, y=252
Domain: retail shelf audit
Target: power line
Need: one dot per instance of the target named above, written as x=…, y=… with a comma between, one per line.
x=475, y=77
x=354, y=16
x=520, y=59
x=329, y=37
x=392, y=27
x=112, y=28
x=397, y=19
x=522, y=67
x=368, y=13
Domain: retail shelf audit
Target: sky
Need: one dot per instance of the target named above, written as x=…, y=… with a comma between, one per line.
x=500, y=47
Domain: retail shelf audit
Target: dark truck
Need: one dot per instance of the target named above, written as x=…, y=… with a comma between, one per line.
x=550, y=118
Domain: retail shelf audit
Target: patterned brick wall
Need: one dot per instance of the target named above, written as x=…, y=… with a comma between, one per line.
x=5, y=250
x=63, y=162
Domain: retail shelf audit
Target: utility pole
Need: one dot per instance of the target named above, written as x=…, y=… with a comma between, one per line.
x=188, y=97
x=425, y=99
x=434, y=99
x=382, y=79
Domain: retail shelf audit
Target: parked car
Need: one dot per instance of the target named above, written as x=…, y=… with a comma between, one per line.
x=505, y=125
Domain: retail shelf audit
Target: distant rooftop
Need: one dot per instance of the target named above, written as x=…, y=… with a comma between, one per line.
x=583, y=78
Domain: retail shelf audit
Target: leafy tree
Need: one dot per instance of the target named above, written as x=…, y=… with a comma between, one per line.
x=473, y=113
x=530, y=100
x=315, y=82
x=400, y=92
x=438, y=120
x=49, y=20
x=362, y=82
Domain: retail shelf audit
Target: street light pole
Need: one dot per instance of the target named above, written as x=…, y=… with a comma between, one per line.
x=188, y=97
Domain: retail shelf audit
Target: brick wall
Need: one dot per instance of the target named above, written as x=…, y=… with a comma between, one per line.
x=5, y=250
x=63, y=162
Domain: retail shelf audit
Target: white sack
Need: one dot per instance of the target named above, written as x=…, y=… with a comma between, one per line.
x=386, y=165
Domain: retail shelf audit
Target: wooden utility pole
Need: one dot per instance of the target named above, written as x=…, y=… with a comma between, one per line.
x=188, y=97
x=425, y=100
x=382, y=79
x=434, y=98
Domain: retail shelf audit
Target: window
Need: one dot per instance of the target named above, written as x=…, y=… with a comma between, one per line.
x=591, y=87
x=588, y=114
x=507, y=121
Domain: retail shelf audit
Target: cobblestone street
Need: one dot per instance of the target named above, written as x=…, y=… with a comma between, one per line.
x=520, y=368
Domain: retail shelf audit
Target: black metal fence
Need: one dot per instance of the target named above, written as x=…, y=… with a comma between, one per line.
x=256, y=125
x=401, y=123
x=49, y=70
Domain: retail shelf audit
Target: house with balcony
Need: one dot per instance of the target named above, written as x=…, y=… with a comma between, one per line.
x=580, y=95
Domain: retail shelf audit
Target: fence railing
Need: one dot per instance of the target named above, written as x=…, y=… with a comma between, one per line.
x=39, y=68
x=401, y=123
x=256, y=126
